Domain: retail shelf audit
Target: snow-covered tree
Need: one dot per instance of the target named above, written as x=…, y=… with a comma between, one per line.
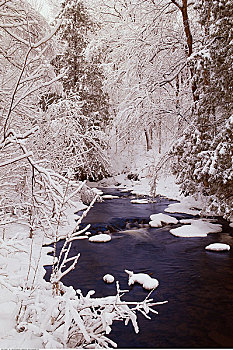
x=83, y=105
x=82, y=77
x=146, y=72
x=71, y=141
x=25, y=73
x=204, y=154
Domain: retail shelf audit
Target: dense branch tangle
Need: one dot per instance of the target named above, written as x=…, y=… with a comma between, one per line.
x=25, y=87
x=37, y=190
x=147, y=69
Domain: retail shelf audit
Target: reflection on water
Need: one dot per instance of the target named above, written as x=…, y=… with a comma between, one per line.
x=198, y=284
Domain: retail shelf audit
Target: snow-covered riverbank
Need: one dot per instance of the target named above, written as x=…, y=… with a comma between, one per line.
x=26, y=316
x=22, y=283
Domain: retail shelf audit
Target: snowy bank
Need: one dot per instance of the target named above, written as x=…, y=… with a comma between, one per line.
x=165, y=185
x=187, y=205
x=38, y=314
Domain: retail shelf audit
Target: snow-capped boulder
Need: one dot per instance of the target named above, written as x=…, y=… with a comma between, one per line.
x=218, y=247
x=195, y=228
x=157, y=220
x=101, y=238
x=108, y=278
x=145, y=280
x=87, y=233
x=109, y=196
x=128, y=189
x=97, y=191
x=139, y=201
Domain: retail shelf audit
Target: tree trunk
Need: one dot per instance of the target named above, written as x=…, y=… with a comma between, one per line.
x=148, y=140
x=189, y=39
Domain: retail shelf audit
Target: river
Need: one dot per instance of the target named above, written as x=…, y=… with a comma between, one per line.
x=197, y=284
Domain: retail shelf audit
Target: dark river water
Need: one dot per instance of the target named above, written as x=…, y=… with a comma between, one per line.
x=197, y=284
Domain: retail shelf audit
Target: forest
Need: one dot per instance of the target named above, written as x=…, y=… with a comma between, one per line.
x=96, y=95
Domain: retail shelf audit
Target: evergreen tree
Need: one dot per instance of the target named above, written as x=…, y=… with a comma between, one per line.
x=83, y=91
x=83, y=77
x=205, y=153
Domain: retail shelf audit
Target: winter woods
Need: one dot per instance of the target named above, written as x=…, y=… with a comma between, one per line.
x=168, y=69
x=204, y=155
x=46, y=147
x=107, y=83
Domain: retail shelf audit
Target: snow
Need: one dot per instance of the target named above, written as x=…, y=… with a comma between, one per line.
x=101, y=238
x=139, y=201
x=97, y=191
x=231, y=221
x=142, y=187
x=87, y=233
x=187, y=205
x=196, y=228
x=15, y=277
x=166, y=186
x=218, y=247
x=22, y=283
x=127, y=189
x=71, y=222
x=79, y=206
x=108, y=278
x=145, y=280
x=109, y=196
x=157, y=220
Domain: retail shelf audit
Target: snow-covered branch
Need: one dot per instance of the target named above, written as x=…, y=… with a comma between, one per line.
x=47, y=37
x=75, y=320
x=14, y=160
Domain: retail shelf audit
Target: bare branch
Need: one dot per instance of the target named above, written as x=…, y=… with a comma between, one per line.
x=14, y=93
x=167, y=81
x=47, y=37
x=176, y=3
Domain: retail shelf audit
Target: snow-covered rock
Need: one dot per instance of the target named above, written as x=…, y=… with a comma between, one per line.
x=139, y=201
x=145, y=280
x=97, y=191
x=109, y=196
x=157, y=220
x=218, y=247
x=127, y=189
x=101, y=238
x=108, y=278
x=231, y=221
x=195, y=228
